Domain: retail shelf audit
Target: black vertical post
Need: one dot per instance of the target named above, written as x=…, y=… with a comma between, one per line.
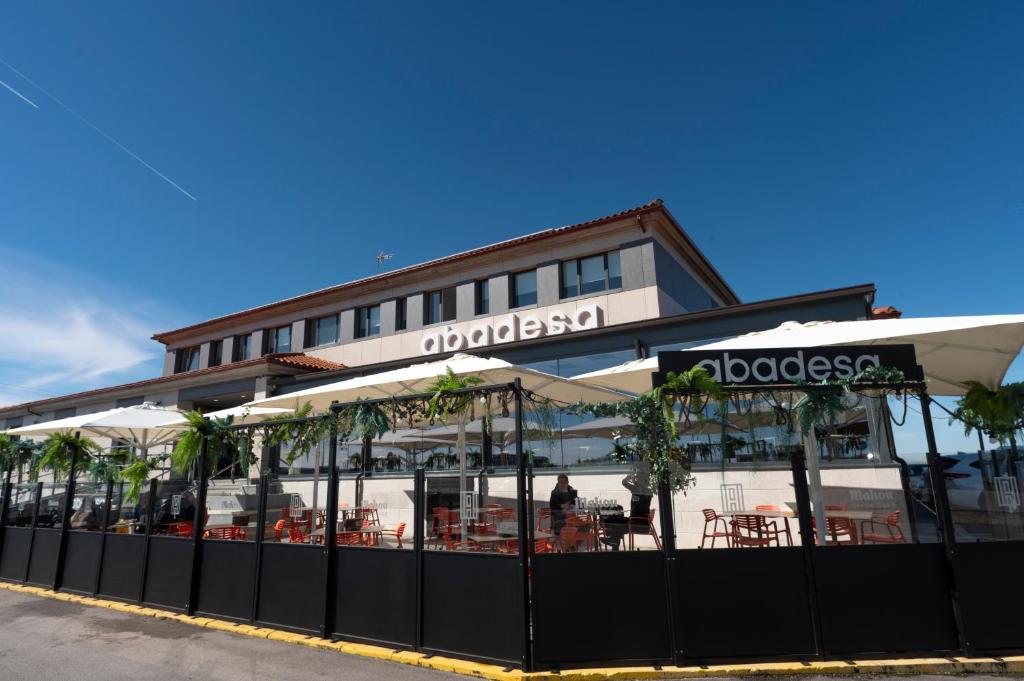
x=418, y=522
x=65, y=523
x=804, y=514
x=524, y=529
x=6, y=502
x=103, y=534
x=944, y=515
x=264, y=491
x=367, y=464
x=330, y=533
x=198, y=524
x=32, y=535
x=150, y=504
x=668, y=547
x=486, y=441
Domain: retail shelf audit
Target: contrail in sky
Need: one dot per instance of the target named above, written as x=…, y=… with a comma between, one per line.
x=101, y=132
x=19, y=95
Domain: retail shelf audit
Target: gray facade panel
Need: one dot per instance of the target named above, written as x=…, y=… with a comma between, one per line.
x=637, y=259
x=227, y=351
x=678, y=284
x=298, y=335
x=199, y=392
x=258, y=343
x=130, y=401
x=204, y=355
x=548, y=285
x=387, y=317
x=347, y=323
x=414, y=312
x=15, y=422
x=169, y=358
x=64, y=413
x=465, y=301
x=499, y=294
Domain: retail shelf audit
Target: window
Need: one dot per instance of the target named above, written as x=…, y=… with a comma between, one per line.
x=401, y=307
x=216, y=353
x=439, y=306
x=524, y=289
x=187, y=359
x=280, y=339
x=483, y=297
x=591, y=275
x=368, y=321
x=323, y=331
x=242, y=348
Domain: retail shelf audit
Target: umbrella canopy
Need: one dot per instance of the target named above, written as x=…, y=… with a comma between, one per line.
x=408, y=439
x=951, y=350
x=605, y=427
x=240, y=415
x=418, y=377
x=145, y=425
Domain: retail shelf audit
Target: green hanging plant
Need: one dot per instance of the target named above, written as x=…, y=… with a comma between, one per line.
x=693, y=390
x=14, y=454
x=57, y=450
x=222, y=442
x=303, y=436
x=367, y=419
x=445, y=401
x=820, y=403
x=136, y=474
x=997, y=413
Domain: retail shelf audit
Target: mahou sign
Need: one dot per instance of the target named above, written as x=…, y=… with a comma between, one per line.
x=786, y=366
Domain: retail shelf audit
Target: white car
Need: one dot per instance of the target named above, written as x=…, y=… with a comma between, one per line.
x=965, y=482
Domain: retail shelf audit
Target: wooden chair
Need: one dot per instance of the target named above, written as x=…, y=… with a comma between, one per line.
x=773, y=524
x=882, y=530
x=711, y=517
x=633, y=526
x=752, y=530
x=396, y=533
x=233, y=532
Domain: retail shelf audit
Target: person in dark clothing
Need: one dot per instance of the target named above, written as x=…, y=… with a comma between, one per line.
x=638, y=482
x=563, y=498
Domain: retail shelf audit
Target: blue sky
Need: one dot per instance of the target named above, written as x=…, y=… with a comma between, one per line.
x=803, y=145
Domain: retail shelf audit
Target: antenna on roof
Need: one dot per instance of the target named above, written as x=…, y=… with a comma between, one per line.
x=383, y=257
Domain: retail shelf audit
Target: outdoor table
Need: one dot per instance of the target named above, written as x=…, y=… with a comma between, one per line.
x=368, y=529
x=787, y=514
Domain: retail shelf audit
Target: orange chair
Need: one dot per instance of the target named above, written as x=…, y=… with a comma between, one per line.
x=838, y=531
x=633, y=527
x=544, y=515
x=774, y=525
x=882, y=530
x=541, y=546
x=233, y=532
x=396, y=533
x=711, y=517
x=279, y=530
x=295, y=535
x=752, y=530
x=347, y=539
x=584, y=530
x=182, y=529
x=567, y=539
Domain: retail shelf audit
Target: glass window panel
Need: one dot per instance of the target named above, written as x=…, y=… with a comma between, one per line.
x=570, y=283
x=87, y=507
x=369, y=321
x=483, y=297
x=216, y=349
x=592, y=274
x=614, y=270
x=433, y=302
x=525, y=289
x=327, y=330
x=984, y=492
x=448, y=306
x=401, y=306
x=22, y=505
x=281, y=339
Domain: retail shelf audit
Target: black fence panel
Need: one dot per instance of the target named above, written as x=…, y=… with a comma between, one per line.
x=121, y=576
x=292, y=587
x=169, y=562
x=887, y=599
x=14, y=555
x=42, y=567
x=749, y=603
x=473, y=606
x=608, y=606
x=375, y=597
x=991, y=600
x=81, y=561
x=226, y=582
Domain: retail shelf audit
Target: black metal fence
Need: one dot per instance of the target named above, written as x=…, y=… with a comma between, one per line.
x=545, y=611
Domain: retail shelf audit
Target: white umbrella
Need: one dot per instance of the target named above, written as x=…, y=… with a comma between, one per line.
x=417, y=378
x=144, y=426
x=241, y=415
x=951, y=350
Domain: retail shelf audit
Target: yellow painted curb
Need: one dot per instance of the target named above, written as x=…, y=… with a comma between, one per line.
x=937, y=665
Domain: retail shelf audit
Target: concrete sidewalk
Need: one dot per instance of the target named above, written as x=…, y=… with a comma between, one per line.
x=58, y=638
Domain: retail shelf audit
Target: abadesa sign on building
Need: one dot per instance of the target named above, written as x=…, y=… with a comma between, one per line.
x=786, y=366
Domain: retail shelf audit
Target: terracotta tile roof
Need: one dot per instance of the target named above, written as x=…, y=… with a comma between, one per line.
x=649, y=207
x=294, y=360
x=887, y=312
x=302, y=361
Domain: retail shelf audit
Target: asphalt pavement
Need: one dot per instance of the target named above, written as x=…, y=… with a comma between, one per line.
x=48, y=640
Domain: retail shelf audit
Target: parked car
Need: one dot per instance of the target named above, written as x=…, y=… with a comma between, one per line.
x=965, y=481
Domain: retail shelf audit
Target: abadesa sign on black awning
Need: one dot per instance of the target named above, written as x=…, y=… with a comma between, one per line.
x=786, y=366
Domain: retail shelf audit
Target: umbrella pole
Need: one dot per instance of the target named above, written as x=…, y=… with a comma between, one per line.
x=461, y=444
x=814, y=475
x=316, y=484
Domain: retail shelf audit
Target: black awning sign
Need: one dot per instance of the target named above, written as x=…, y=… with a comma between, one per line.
x=786, y=366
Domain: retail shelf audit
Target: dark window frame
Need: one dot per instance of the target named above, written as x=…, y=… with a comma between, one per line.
x=447, y=303
x=183, y=359
x=216, y=357
x=401, y=314
x=577, y=285
x=243, y=340
x=482, y=297
x=513, y=292
x=271, y=339
x=363, y=321
x=313, y=339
